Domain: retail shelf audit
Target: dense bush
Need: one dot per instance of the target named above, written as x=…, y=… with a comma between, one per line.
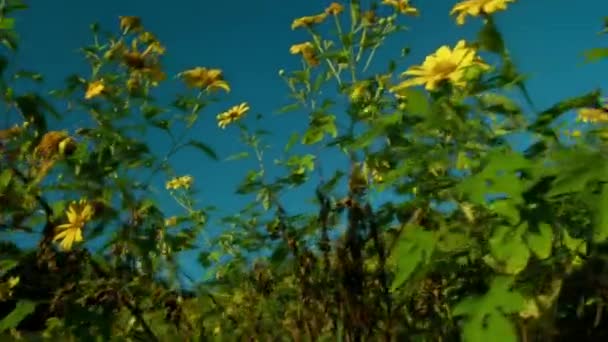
x=484, y=243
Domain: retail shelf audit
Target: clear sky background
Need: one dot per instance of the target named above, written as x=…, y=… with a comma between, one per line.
x=250, y=41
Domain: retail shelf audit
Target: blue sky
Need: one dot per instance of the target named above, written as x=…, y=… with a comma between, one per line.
x=250, y=41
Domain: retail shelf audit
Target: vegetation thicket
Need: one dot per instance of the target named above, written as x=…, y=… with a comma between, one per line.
x=518, y=255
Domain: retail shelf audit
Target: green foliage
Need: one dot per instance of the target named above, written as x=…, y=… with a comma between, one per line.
x=519, y=256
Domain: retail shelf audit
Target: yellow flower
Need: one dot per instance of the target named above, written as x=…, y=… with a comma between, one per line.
x=94, y=89
x=78, y=215
x=129, y=23
x=368, y=18
x=593, y=115
x=50, y=144
x=308, y=21
x=402, y=6
x=171, y=221
x=477, y=7
x=359, y=91
x=307, y=50
x=334, y=8
x=231, y=115
x=210, y=79
x=10, y=132
x=180, y=182
x=145, y=63
x=443, y=65
x=155, y=73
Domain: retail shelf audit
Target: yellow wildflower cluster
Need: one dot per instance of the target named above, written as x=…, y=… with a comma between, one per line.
x=142, y=65
x=307, y=50
x=78, y=214
x=203, y=78
x=180, y=182
x=402, y=6
x=231, y=115
x=445, y=64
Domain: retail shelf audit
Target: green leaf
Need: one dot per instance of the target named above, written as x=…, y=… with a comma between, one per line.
x=293, y=139
x=22, y=310
x=507, y=209
x=414, y=248
x=495, y=327
x=498, y=103
x=417, y=102
x=318, y=82
x=367, y=138
x=7, y=23
x=600, y=229
x=509, y=253
x=34, y=76
x=289, y=108
x=485, y=319
x=30, y=106
x=238, y=156
x=577, y=168
x=595, y=54
x=574, y=245
x=546, y=117
x=541, y=244
x=5, y=178
x=453, y=242
x=490, y=38
x=7, y=265
x=204, y=148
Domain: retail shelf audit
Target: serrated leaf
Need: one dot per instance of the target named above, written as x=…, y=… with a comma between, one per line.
x=507, y=209
x=545, y=118
x=21, y=311
x=414, y=248
x=493, y=327
x=578, y=170
x=541, y=244
x=509, y=250
x=573, y=244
